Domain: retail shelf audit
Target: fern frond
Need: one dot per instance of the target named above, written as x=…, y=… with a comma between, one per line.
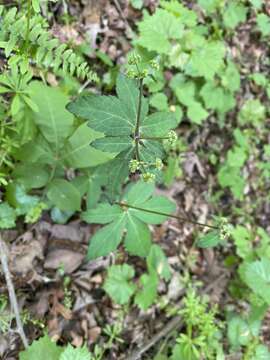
x=45, y=51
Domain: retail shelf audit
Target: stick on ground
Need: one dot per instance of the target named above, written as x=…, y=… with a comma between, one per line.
x=11, y=292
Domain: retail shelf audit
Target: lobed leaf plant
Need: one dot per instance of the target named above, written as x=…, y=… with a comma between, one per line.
x=132, y=135
x=204, y=79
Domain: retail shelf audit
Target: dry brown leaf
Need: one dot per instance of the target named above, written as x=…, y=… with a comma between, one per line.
x=68, y=259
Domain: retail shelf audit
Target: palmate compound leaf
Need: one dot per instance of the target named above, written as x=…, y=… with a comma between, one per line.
x=124, y=219
x=116, y=118
x=113, y=116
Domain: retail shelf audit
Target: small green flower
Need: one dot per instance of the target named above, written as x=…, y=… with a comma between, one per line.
x=172, y=137
x=134, y=59
x=143, y=74
x=132, y=74
x=154, y=64
x=225, y=229
x=159, y=164
x=148, y=177
x=134, y=165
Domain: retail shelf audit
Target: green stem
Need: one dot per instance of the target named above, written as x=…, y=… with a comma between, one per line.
x=153, y=138
x=138, y=119
x=167, y=215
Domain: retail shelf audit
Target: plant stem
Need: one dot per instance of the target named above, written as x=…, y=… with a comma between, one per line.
x=11, y=292
x=168, y=215
x=138, y=119
x=153, y=138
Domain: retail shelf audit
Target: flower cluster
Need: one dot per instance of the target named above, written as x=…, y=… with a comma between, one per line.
x=172, y=137
x=137, y=69
x=225, y=229
x=148, y=177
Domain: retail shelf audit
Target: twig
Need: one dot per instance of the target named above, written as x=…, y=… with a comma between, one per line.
x=11, y=292
x=175, y=323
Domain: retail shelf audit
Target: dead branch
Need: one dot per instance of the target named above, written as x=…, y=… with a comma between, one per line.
x=11, y=292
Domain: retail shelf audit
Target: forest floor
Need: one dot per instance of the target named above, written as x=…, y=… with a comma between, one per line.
x=74, y=307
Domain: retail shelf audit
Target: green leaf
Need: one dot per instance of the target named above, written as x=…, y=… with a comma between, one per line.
x=187, y=17
x=64, y=195
x=207, y=59
x=150, y=150
x=261, y=353
x=115, y=172
x=104, y=113
x=243, y=242
x=53, y=120
x=139, y=193
x=107, y=239
x=196, y=113
x=210, y=5
x=252, y=111
x=60, y=217
x=31, y=176
x=7, y=216
x=148, y=293
x=230, y=79
x=211, y=239
x=137, y=4
x=263, y=22
x=257, y=4
x=35, y=4
x=138, y=238
x=232, y=177
x=234, y=14
x=118, y=285
x=157, y=31
x=40, y=347
x=36, y=151
x=159, y=101
x=238, y=332
x=184, y=90
x=156, y=204
x=93, y=189
x=103, y=214
x=128, y=93
x=158, y=124
x=71, y=353
x=157, y=262
x=113, y=144
x=18, y=198
x=257, y=277
x=216, y=98
x=79, y=153
x=259, y=79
